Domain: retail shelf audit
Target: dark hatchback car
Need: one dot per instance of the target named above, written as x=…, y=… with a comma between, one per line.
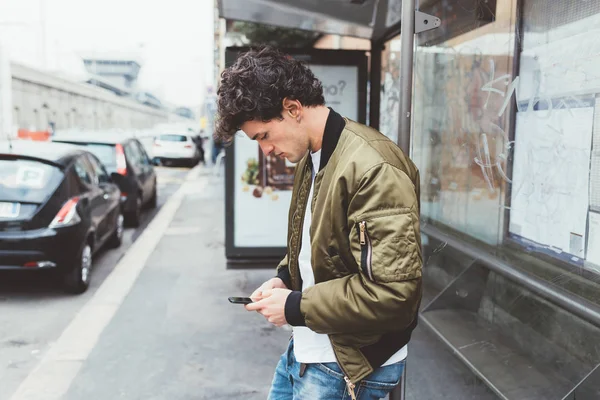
x=127, y=157
x=58, y=206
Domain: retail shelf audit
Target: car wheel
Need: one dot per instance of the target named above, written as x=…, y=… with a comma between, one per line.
x=134, y=217
x=77, y=279
x=117, y=237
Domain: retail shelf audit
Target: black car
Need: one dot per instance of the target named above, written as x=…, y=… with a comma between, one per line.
x=127, y=157
x=58, y=206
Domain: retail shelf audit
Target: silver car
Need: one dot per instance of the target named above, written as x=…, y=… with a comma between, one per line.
x=175, y=148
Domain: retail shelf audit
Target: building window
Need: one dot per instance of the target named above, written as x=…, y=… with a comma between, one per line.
x=17, y=117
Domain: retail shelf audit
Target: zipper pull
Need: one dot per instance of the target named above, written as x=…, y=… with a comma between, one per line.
x=362, y=227
x=350, y=388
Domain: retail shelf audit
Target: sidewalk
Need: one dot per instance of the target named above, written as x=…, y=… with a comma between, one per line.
x=175, y=336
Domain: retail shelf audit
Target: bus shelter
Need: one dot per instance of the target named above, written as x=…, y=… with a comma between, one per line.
x=496, y=102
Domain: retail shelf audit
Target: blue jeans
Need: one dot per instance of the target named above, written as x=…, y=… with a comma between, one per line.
x=325, y=381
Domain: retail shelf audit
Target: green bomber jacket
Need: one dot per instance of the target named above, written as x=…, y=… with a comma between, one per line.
x=365, y=246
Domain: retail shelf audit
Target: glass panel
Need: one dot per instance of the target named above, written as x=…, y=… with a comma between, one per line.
x=555, y=201
x=394, y=13
x=461, y=147
x=505, y=155
x=389, y=109
x=506, y=133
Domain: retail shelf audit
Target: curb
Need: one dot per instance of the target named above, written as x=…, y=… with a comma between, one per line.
x=55, y=372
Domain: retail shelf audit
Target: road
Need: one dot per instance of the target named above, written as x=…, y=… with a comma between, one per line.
x=33, y=312
x=159, y=327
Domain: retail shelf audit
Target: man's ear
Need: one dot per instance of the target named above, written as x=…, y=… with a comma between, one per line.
x=291, y=108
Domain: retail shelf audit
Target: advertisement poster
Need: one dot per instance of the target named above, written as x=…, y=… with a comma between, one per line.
x=262, y=188
x=340, y=88
x=262, y=196
x=551, y=178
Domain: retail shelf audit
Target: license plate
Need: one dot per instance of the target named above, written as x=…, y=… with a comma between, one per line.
x=9, y=210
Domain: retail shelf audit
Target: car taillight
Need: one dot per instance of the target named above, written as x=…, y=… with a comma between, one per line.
x=188, y=146
x=156, y=144
x=121, y=162
x=67, y=214
x=39, y=264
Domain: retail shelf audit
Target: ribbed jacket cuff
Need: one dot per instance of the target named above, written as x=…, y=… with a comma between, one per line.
x=284, y=275
x=292, y=309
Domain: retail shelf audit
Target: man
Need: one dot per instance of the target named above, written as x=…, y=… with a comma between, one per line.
x=350, y=284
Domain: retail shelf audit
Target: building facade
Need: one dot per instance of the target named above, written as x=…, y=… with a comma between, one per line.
x=43, y=102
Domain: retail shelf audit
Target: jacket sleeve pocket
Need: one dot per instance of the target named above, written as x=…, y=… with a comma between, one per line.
x=385, y=246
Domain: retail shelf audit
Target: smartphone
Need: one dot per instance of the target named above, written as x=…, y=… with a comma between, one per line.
x=240, y=300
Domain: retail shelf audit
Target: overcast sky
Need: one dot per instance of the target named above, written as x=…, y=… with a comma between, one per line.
x=174, y=38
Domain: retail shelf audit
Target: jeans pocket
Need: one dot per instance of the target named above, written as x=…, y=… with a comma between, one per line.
x=384, y=378
x=332, y=369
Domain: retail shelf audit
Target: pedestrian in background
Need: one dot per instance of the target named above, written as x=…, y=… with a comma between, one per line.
x=217, y=147
x=350, y=284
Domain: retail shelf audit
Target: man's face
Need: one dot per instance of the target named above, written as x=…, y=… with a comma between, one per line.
x=279, y=137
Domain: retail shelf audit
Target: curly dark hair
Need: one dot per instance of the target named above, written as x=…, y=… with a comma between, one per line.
x=254, y=88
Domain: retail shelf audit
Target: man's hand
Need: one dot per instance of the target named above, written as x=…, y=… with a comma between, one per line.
x=272, y=305
x=273, y=283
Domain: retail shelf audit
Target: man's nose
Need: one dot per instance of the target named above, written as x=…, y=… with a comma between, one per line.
x=266, y=148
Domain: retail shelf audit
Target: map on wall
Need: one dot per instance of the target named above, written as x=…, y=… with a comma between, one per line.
x=551, y=178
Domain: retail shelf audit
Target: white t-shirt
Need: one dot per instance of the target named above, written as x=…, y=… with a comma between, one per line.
x=309, y=346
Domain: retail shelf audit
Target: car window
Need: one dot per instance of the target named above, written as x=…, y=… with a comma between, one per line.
x=133, y=154
x=143, y=155
x=173, y=138
x=27, y=181
x=99, y=169
x=84, y=171
x=106, y=153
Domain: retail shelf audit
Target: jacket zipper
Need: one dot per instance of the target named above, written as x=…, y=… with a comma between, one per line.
x=293, y=252
x=366, y=253
x=351, y=387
